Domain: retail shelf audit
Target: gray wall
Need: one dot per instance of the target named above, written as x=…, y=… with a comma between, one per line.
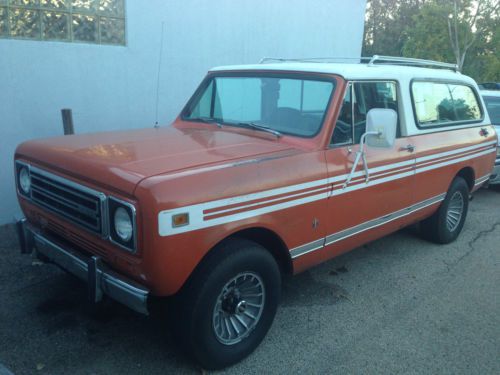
x=111, y=87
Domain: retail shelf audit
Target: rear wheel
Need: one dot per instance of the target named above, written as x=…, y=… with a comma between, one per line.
x=228, y=305
x=447, y=222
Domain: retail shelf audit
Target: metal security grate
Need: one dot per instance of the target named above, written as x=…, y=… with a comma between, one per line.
x=76, y=203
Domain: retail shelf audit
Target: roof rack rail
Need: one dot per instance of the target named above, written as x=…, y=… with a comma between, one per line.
x=411, y=62
x=313, y=59
x=376, y=59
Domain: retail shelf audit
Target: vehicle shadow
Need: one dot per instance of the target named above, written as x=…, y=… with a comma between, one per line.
x=68, y=335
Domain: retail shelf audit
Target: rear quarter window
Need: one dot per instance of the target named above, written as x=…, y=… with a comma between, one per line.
x=439, y=104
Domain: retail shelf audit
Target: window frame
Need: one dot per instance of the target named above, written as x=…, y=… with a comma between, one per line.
x=70, y=13
x=350, y=84
x=260, y=74
x=449, y=123
x=350, y=87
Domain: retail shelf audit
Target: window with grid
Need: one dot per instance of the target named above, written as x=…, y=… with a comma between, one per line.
x=87, y=21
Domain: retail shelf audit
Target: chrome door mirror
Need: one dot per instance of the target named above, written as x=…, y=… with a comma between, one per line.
x=381, y=124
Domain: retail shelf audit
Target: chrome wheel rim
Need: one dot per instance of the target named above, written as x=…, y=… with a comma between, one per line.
x=455, y=211
x=238, y=308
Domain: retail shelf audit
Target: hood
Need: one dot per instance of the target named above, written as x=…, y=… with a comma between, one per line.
x=120, y=160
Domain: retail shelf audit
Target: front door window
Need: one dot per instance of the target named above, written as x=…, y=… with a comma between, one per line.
x=360, y=97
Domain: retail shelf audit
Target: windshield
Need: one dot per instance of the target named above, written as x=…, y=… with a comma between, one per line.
x=493, y=108
x=285, y=104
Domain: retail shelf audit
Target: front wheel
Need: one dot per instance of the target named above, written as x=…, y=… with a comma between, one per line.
x=228, y=305
x=447, y=222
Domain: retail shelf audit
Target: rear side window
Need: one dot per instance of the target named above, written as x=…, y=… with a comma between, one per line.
x=444, y=104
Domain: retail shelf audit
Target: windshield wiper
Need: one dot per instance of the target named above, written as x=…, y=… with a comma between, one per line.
x=255, y=126
x=207, y=120
x=250, y=125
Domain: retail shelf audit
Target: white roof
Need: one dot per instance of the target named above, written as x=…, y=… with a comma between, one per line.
x=355, y=71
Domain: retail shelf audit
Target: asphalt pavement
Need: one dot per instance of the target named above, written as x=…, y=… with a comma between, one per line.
x=399, y=305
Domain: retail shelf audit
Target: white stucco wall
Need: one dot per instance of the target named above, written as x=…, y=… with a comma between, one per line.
x=111, y=87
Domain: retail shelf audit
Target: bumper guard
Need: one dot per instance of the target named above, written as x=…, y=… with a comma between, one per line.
x=100, y=279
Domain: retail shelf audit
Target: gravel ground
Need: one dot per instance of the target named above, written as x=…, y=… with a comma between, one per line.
x=396, y=305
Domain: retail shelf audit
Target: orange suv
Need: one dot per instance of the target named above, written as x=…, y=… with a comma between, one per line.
x=270, y=169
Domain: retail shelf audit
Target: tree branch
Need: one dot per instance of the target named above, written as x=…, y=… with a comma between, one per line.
x=453, y=46
x=457, y=45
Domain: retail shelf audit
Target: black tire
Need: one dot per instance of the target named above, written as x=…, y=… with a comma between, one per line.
x=436, y=228
x=195, y=306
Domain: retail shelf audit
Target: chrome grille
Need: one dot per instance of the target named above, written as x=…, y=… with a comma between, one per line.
x=74, y=202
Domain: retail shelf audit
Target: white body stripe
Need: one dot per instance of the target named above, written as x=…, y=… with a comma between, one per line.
x=323, y=190
x=295, y=195
x=454, y=161
x=454, y=152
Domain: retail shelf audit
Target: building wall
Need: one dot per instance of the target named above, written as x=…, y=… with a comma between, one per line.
x=113, y=87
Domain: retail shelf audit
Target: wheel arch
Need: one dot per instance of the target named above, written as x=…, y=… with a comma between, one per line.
x=467, y=173
x=267, y=238
x=270, y=241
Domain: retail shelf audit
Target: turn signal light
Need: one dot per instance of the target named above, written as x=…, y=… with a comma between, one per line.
x=180, y=220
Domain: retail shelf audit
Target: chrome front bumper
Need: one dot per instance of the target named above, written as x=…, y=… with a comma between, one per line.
x=100, y=279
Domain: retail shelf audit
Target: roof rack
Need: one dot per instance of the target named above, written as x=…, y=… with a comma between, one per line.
x=372, y=61
x=411, y=62
x=313, y=59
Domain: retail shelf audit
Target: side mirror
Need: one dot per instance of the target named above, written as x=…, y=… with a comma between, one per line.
x=382, y=124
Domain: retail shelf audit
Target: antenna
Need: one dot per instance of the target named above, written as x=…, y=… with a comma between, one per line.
x=159, y=70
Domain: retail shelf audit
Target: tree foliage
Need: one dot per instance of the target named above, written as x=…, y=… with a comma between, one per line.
x=465, y=32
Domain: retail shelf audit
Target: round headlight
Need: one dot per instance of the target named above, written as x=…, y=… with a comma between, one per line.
x=123, y=224
x=24, y=180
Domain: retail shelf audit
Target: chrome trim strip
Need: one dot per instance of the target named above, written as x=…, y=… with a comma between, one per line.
x=480, y=180
x=382, y=220
x=349, y=232
x=307, y=248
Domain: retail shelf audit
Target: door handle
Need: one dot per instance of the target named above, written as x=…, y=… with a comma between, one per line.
x=409, y=148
